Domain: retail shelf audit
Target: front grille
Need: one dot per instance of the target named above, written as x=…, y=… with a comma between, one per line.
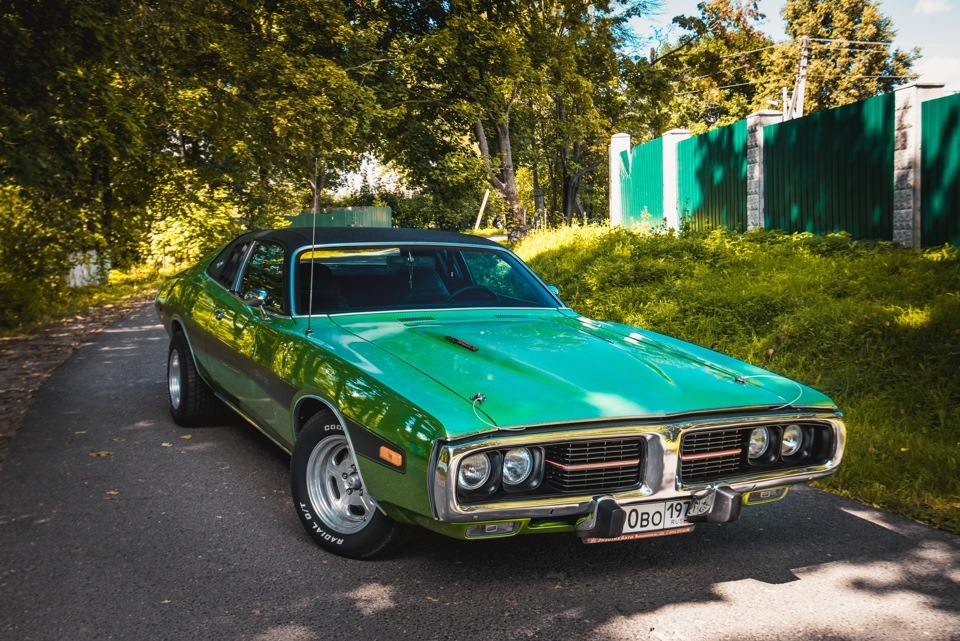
x=593, y=466
x=712, y=455
x=706, y=456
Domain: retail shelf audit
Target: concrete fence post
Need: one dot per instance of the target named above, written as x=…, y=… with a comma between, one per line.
x=906, y=160
x=755, y=124
x=619, y=143
x=671, y=177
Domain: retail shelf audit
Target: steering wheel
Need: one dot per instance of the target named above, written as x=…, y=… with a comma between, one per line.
x=476, y=292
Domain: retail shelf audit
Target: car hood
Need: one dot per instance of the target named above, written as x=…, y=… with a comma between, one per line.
x=537, y=367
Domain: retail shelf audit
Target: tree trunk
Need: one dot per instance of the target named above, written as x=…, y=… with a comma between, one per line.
x=539, y=206
x=571, y=184
x=506, y=181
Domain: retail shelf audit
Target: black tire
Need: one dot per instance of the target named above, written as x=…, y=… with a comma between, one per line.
x=192, y=402
x=330, y=499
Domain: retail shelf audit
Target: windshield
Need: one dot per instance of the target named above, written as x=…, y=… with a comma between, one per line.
x=351, y=279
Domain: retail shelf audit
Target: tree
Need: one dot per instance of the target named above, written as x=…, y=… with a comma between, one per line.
x=576, y=105
x=113, y=113
x=714, y=65
x=531, y=84
x=851, y=57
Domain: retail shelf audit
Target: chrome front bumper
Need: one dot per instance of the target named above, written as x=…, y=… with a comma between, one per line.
x=659, y=479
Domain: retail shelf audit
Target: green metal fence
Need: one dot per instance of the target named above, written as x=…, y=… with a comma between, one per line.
x=641, y=184
x=346, y=217
x=940, y=171
x=832, y=171
x=712, y=183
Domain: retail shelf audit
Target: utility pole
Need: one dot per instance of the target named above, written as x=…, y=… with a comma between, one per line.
x=795, y=108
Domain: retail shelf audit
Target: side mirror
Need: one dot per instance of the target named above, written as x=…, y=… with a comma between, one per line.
x=257, y=298
x=553, y=289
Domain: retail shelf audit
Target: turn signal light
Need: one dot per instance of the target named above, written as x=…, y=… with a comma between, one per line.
x=392, y=457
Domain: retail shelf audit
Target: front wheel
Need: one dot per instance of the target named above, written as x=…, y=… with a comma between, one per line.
x=329, y=496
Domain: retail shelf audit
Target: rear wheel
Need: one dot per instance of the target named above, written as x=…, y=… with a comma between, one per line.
x=192, y=402
x=329, y=496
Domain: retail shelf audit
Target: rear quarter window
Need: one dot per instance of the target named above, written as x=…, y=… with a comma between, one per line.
x=225, y=266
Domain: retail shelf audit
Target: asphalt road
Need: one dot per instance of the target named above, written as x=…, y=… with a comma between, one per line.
x=117, y=524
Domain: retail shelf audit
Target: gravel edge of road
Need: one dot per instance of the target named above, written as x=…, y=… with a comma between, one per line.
x=28, y=360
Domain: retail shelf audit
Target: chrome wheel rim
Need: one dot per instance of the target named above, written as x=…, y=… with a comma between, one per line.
x=334, y=487
x=173, y=379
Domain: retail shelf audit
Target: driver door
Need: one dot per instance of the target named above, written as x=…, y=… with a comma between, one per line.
x=245, y=338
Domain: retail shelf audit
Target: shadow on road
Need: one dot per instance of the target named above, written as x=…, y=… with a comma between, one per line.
x=115, y=523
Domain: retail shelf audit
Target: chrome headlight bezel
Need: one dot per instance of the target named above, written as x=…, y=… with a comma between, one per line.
x=518, y=465
x=468, y=466
x=792, y=440
x=759, y=443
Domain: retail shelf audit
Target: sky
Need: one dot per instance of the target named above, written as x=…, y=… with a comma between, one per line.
x=932, y=25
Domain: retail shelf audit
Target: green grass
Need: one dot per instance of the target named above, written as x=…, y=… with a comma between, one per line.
x=875, y=327
x=124, y=286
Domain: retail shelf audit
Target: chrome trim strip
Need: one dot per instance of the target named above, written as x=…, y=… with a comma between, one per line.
x=593, y=466
x=432, y=310
x=296, y=252
x=253, y=423
x=705, y=455
x=659, y=480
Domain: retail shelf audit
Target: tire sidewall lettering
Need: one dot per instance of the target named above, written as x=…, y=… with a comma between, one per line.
x=313, y=523
x=311, y=520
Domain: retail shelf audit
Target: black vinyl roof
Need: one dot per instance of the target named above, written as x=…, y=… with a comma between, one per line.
x=293, y=237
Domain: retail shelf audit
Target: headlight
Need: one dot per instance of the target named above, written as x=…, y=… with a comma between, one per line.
x=792, y=440
x=759, y=441
x=517, y=465
x=474, y=471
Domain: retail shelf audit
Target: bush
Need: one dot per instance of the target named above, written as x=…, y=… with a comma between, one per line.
x=33, y=260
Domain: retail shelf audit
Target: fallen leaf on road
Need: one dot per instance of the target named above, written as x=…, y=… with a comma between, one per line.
x=113, y=492
x=186, y=436
x=98, y=454
x=167, y=444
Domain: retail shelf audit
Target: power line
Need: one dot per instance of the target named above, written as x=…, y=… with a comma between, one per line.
x=739, y=84
x=773, y=46
x=840, y=73
x=852, y=42
x=812, y=75
x=710, y=75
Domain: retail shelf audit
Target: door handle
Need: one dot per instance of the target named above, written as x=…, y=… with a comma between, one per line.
x=218, y=314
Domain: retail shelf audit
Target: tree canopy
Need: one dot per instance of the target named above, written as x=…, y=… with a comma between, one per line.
x=152, y=130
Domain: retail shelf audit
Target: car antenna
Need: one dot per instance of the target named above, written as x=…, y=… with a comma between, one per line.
x=313, y=254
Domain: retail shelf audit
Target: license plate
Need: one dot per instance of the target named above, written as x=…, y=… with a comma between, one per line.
x=664, y=515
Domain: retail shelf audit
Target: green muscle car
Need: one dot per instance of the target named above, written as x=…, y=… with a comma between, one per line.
x=426, y=378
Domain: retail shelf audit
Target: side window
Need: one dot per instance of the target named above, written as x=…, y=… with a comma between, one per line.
x=224, y=267
x=265, y=273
